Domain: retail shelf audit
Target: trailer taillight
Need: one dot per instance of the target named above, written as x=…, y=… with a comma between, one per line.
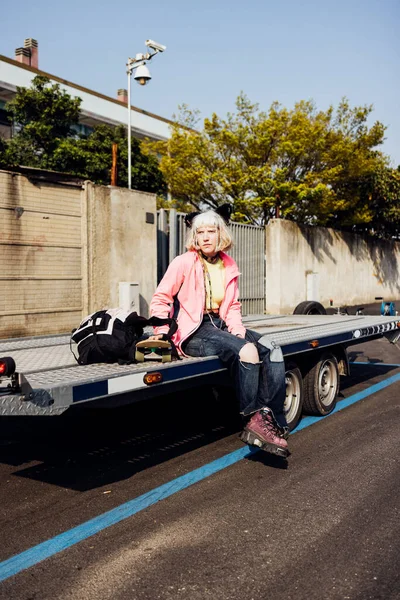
x=7, y=366
x=151, y=378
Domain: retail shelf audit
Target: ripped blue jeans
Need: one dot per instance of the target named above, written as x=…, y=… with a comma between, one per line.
x=257, y=385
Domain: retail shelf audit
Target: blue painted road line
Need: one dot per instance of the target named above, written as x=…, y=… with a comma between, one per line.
x=34, y=555
x=373, y=389
x=373, y=364
x=65, y=540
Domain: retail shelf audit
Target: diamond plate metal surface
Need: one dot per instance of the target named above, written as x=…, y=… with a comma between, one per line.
x=300, y=328
x=32, y=342
x=43, y=357
x=14, y=406
x=7, y=345
x=88, y=373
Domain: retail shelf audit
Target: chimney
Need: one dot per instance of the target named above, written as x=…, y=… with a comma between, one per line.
x=28, y=55
x=123, y=96
x=23, y=55
x=32, y=46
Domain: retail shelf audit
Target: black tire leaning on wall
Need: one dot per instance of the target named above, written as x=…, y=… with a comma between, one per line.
x=309, y=307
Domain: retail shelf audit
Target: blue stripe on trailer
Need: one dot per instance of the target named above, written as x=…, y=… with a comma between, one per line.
x=190, y=369
x=323, y=342
x=90, y=390
x=133, y=381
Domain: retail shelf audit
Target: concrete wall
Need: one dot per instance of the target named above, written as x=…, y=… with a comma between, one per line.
x=40, y=256
x=121, y=245
x=64, y=248
x=314, y=263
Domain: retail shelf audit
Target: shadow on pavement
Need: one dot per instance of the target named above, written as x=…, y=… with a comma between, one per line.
x=90, y=449
x=87, y=449
x=362, y=372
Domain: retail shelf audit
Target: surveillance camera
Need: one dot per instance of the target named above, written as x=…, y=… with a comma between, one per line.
x=142, y=75
x=155, y=46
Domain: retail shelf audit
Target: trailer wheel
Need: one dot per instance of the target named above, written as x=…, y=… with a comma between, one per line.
x=309, y=307
x=293, y=406
x=321, y=386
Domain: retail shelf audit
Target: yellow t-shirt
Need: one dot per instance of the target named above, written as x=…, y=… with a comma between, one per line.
x=217, y=277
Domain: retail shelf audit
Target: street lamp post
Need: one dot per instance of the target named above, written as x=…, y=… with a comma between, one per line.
x=142, y=76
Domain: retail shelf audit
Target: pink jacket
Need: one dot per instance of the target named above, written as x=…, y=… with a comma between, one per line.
x=184, y=278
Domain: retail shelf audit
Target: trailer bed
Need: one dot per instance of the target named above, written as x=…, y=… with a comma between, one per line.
x=51, y=380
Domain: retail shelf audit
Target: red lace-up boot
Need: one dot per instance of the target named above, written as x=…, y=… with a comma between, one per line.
x=263, y=431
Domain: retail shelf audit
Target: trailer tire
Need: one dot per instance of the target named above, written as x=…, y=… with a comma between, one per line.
x=321, y=386
x=309, y=307
x=293, y=406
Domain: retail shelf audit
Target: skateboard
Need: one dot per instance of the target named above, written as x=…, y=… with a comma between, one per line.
x=153, y=350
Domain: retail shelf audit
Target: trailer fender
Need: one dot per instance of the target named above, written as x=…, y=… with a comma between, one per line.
x=306, y=361
x=342, y=358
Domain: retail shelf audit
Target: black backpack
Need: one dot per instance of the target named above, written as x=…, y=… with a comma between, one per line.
x=111, y=335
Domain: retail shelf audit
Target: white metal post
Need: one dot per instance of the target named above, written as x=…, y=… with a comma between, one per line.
x=129, y=128
x=135, y=63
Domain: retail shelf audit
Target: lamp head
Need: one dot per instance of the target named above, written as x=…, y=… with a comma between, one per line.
x=142, y=75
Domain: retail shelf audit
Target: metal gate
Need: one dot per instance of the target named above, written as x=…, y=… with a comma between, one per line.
x=248, y=252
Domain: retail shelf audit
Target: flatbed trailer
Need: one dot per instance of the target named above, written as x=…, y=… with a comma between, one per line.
x=49, y=382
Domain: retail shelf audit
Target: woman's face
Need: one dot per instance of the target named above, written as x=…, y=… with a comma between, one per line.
x=207, y=239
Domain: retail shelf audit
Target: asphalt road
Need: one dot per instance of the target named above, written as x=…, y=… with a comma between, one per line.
x=324, y=525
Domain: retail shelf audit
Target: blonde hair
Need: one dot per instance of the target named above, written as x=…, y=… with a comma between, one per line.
x=209, y=219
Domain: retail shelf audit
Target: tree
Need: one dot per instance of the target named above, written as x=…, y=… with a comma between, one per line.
x=91, y=158
x=379, y=193
x=305, y=162
x=3, y=146
x=44, y=115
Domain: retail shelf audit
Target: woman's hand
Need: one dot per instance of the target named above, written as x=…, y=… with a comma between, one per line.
x=156, y=337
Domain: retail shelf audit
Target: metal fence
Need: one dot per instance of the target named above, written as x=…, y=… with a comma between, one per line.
x=248, y=252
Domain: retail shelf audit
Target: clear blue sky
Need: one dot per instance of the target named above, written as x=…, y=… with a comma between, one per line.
x=285, y=50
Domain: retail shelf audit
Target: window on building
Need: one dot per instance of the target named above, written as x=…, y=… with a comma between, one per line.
x=5, y=125
x=81, y=129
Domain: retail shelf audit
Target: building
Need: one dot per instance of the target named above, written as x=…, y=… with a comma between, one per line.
x=95, y=108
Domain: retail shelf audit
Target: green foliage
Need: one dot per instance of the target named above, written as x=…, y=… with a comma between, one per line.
x=311, y=164
x=3, y=146
x=91, y=158
x=46, y=139
x=45, y=115
x=379, y=197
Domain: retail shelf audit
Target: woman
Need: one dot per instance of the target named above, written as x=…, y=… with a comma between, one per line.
x=200, y=289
